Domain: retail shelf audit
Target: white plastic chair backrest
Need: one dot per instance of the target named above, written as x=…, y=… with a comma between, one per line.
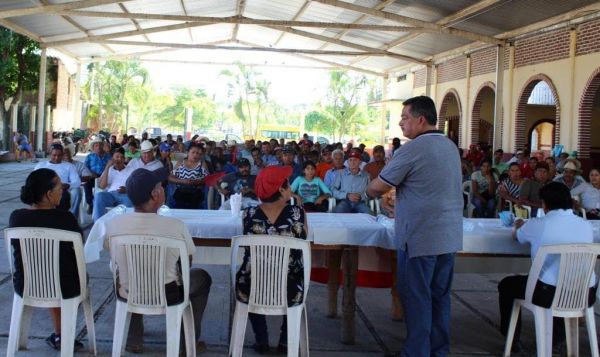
x=523, y=212
x=146, y=267
x=269, y=259
x=577, y=263
x=40, y=251
x=467, y=187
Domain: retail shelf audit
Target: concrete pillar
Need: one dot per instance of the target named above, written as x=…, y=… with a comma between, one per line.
x=384, y=98
x=14, y=120
x=508, y=140
x=566, y=130
x=189, y=114
x=428, y=71
x=463, y=132
x=32, y=114
x=498, y=98
x=39, y=142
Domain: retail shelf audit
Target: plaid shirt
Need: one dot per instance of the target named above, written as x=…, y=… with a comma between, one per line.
x=95, y=163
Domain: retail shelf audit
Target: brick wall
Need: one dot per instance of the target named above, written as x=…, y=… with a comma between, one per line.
x=483, y=61
x=588, y=38
x=452, y=70
x=420, y=78
x=545, y=47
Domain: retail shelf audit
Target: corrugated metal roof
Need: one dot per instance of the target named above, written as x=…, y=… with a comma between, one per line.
x=341, y=46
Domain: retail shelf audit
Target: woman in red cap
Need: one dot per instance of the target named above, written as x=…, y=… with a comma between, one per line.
x=277, y=217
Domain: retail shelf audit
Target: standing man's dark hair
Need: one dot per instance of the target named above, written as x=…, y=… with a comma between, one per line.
x=422, y=106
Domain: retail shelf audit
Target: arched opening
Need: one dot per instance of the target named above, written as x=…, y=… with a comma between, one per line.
x=449, y=116
x=589, y=123
x=538, y=102
x=541, y=135
x=482, y=117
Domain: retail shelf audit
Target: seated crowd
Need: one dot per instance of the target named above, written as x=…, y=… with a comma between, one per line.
x=141, y=174
x=496, y=185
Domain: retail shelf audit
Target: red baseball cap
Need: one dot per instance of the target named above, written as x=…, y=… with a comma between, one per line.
x=270, y=179
x=354, y=154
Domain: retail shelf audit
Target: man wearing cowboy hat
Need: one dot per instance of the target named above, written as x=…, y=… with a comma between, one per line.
x=571, y=175
x=147, y=160
x=95, y=162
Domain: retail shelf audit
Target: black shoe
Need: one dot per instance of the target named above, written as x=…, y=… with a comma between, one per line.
x=282, y=348
x=261, y=349
x=54, y=341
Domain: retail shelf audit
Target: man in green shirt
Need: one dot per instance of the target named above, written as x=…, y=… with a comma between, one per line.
x=498, y=165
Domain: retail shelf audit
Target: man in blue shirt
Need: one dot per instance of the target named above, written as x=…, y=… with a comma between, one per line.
x=349, y=187
x=95, y=162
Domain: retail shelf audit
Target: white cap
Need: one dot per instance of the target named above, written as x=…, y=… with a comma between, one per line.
x=146, y=146
x=570, y=166
x=231, y=142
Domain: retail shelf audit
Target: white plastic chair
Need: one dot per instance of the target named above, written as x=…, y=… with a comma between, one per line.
x=41, y=271
x=523, y=212
x=467, y=193
x=269, y=258
x=570, y=300
x=146, y=266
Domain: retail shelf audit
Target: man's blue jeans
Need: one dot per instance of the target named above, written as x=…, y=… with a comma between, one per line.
x=347, y=206
x=105, y=199
x=424, y=284
x=75, y=201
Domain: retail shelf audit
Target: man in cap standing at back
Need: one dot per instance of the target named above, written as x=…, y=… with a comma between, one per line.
x=146, y=193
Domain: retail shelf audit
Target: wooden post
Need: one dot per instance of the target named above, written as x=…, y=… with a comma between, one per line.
x=350, y=268
x=32, y=121
x=39, y=142
x=334, y=261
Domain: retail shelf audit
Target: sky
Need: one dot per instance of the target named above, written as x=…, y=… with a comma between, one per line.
x=289, y=86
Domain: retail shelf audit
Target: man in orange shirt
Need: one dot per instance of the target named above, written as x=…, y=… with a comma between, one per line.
x=374, y=168
x=326, y=162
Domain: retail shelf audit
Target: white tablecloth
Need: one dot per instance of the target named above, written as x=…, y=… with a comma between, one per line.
x=480, y=236
x=323, y=228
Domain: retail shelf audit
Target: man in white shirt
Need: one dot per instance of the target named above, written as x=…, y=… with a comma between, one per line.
x=147, y=160
x=146, y=193
x=68, y=176
x=559, y=226
x=112, y=181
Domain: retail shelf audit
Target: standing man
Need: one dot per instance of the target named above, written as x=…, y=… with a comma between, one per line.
x=23, y=147
x=429, y=241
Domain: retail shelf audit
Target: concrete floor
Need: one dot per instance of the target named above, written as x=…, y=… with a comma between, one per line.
x=474, y=310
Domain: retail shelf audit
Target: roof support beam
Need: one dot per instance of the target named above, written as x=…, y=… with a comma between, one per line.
x=331, y=63
x=236, y=48
x=134, y=21
x=349, y=44
x=240, y=7
x=379, y=6
x=54, y=8
x=296, y=17
x=413, y=22
x=450, y=19
x=247, y=21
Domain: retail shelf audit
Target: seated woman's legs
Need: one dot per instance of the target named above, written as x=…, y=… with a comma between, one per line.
x=490, y=208
x=479, y=204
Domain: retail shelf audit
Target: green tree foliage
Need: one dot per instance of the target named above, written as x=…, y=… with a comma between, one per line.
x=204, y=110
x=316, y=121
x=109, y=86
x=19, y=71
x=250, y=95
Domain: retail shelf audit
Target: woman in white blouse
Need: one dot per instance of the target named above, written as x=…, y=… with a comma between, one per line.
x=588, y=195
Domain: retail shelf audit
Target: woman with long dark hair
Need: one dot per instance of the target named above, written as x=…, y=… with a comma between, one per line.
x=42, y=192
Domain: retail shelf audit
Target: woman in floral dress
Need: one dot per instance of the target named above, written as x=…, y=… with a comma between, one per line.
x=275, y=216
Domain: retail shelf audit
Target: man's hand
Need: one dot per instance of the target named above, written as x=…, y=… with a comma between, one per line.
x=121, y=189
x=354, y=197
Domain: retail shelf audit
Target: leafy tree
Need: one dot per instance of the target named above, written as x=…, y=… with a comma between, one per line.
x=204, y=109
x=250, y=94
x=108, y=87
x=316, y=121
x=341, y=104
x=19, y=71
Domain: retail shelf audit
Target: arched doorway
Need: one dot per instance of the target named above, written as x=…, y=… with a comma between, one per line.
x=589, y=122
x=449, y=116
x=482, y=116
x=538, y=101
x=541, y=135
